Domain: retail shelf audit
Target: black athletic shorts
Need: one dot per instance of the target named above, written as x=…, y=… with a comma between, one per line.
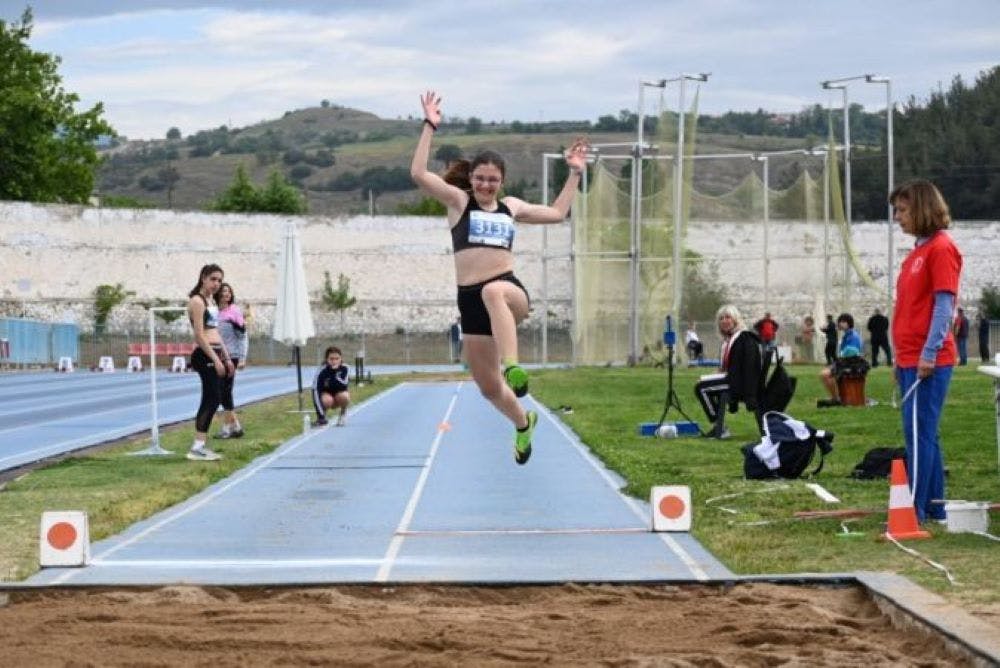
x=475, y=318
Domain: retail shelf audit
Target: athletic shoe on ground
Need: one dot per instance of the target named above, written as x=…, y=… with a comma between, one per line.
x=517, y=379
x=827, y=403
x=203, y=455
x=225, y=433
x=522, y=439
x=721, y=435
x=341, y=421
x=321, y=422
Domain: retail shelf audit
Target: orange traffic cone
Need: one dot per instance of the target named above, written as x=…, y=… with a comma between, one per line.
x=902, y=516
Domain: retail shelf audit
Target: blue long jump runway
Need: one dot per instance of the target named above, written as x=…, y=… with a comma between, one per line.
x=48, y=414
x=420, y=486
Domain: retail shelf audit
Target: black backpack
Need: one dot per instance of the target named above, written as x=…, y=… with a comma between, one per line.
x=779, y=388
x=786, y=449
x=877, y=463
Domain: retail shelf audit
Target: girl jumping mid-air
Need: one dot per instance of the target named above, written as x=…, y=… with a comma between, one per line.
x=491, y=300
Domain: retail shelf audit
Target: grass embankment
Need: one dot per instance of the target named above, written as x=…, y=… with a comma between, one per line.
x=117, y=490
x=609, y=403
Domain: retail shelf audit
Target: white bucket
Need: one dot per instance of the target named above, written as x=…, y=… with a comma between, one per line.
x=967, y=516
x=667, y=431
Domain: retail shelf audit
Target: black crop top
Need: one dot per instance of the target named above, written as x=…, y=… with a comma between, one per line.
x=489, y=229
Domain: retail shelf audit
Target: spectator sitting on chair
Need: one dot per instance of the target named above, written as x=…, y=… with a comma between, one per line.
x=738, y=379
x=850, y=346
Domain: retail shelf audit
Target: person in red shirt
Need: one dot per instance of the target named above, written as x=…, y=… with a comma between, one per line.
x=926, y=290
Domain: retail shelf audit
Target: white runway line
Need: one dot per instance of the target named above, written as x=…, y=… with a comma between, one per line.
x=246, y=474
x=696, y=570
x=404, y=523
x=345, y=562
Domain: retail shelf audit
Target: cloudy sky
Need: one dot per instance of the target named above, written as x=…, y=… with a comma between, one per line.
x=197, y=65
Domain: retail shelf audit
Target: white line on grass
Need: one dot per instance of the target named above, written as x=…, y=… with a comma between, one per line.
x=246, y=474
x=404, y=523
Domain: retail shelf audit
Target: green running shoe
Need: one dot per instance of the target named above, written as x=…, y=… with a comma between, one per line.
x=517, y=379
x=522, y=439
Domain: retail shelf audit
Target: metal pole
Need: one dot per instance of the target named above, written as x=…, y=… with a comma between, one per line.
x=826, y=228
x=892, y=186
x=847, y=197
x=545, y=265
x=890, y=168
x=767, y=216
x=678, y=208
x=154, y=448
x=154, y=430
x=635, y=223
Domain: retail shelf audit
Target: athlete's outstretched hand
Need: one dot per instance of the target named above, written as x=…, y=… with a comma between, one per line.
x=576, y=156
x=431, y=102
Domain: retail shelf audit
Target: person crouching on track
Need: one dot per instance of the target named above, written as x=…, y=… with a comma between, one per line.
x=209, y=358
x=233, y=329
x=739, y=373
x=491, y=301
x=330, y=387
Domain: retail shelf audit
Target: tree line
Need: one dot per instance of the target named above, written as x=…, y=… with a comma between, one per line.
x=49, y=149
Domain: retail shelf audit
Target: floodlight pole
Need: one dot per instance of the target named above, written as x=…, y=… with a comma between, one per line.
x=841, y=84
x=889, y=112
x=635, y=224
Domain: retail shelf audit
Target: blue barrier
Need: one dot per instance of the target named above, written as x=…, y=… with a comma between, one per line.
x=36, y=342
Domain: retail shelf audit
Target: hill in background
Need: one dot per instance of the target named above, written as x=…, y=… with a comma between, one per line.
x=336, y=155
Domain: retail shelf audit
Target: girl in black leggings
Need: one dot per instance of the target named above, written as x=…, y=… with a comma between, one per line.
x=209, y=358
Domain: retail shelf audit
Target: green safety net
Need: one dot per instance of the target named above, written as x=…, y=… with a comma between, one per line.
x=723, y=193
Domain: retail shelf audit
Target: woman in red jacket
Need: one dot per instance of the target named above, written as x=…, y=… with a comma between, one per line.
x=926, y=291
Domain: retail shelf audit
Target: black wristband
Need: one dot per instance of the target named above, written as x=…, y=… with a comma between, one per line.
x=433, y=127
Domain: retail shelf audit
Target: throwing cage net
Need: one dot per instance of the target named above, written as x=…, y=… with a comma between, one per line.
x=765, y=231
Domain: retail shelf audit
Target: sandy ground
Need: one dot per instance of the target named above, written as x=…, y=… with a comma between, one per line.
x=744, y=625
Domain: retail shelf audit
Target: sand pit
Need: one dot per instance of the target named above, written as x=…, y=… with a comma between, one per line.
x=742, y=625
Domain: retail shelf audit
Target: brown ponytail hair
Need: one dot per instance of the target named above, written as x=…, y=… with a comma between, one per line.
x=458, y=173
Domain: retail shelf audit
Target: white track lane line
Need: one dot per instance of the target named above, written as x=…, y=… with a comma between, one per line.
x=246, y=474
x=696, y=570
x=404, y=523
x=64, y=447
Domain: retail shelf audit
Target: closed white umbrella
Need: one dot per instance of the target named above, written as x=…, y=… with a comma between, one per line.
x=293, y=322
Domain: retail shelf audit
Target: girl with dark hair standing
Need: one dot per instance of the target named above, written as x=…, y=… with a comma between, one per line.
x=491, y=300
x=233, y=329
x=209, y=358
x=926, y=290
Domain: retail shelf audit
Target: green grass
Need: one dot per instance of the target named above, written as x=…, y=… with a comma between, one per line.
x=117, y=490
x=609, y=404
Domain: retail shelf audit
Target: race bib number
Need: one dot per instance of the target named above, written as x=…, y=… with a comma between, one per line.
x=491, y=229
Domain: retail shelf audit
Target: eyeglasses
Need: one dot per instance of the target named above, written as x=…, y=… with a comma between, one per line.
x=488, y=180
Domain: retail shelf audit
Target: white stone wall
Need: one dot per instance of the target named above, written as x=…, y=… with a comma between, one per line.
x=52, y=258
x=400, y=268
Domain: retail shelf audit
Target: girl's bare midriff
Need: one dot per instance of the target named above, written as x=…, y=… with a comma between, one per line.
x=475, y=265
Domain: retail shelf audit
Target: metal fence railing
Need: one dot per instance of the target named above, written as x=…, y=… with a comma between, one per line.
x=391, y=348
x=34, y=343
